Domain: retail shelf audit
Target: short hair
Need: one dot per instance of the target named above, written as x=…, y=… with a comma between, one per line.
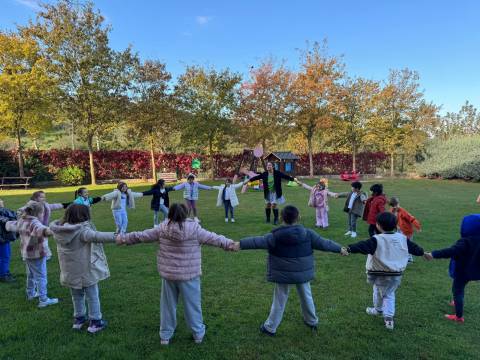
x=120, y=185
x=377, y=189
x=190, y=176
x=394, y=201
x=76, y=213
x=356, y=185
x=387, y=221
x=36, y=194
x=290, y=214
x=177, y=214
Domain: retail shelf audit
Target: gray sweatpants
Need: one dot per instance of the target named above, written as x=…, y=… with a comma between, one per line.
x=352, y=222
x=280, y=297
x=384, y=288
x=192, y=306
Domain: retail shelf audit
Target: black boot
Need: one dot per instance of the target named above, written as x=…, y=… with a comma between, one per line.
x=275, y=216
x=268, y=211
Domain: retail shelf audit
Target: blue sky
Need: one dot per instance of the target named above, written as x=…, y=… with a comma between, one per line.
x=439, y=39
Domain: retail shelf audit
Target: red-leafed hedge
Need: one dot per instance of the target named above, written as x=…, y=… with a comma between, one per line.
x=129, y=164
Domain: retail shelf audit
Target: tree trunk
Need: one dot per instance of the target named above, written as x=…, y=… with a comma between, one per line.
x=90, y=157
x=310, y=154
x=392, y=164
x=72, y=136
x=212, y=162
x=152, y=157
x=21, y=164
x=97, y=142
x=354, y=157
x=35, y=144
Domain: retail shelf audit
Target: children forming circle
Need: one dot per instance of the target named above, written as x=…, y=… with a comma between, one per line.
x=290, y=248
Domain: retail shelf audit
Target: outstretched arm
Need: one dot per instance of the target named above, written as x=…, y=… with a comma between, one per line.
x=319, y=243
x=255, y=178
x=136, y=237
x=458, y=249
x=256, y=242
x=363, y=247
x=210, y=238
x=305, y=186
x=91, y=236
x=414, y=249
x=179, y=186
x=285, y=176
x=204, y=187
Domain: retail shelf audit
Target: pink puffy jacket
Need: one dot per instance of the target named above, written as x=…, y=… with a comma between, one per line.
x=179, y=257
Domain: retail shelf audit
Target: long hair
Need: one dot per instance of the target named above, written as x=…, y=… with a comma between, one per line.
x=79, y=191
x=119, y=187
x=76, y=213
x=177, y=214
x=36, y=194
x=159, y=184
x=33, y=208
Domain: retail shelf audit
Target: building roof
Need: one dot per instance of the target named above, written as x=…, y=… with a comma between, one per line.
x=283, y=155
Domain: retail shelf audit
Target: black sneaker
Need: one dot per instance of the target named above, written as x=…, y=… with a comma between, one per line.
x=79, y=322
x=7, y=278
x=96, y=326
x=265, y=331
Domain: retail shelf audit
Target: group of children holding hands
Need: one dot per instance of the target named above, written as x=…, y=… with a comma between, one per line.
x=290, y=249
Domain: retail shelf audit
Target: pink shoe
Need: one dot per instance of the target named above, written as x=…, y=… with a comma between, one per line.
x=454, y=318
x=452, y=303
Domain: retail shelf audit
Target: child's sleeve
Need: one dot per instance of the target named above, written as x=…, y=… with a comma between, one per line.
x=96, y=200
x=91, y=236
x=319, y=243
x=109, y=196
x=216, y=187
x=210, y=238
x=11, y=226
x=148, y=192
x=308, y=187
x=136, y=194
x=414, y=249
x=458, y=249
x=146, y=236
x=343, y=194
x=332, y=194
x=239, y=185
x=204, y=187
x=37, y=229
x=58, y=206
x=179, y=186
x=412, y=220
x=363, y=247
x=256, y=242
x=285, y=176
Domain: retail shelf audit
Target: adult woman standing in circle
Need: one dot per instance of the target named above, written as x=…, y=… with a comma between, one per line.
x=272, y=190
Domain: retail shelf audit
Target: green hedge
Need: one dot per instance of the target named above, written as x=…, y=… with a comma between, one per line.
x=456, y=158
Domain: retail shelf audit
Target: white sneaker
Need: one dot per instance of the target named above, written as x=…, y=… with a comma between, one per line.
x=48, y=302
x=196, y=219
x=34, y=296
x=389, y=324
x=232, y=220
x=226, y=219
x=372, y=311
x=348, y=233
x=353, y=234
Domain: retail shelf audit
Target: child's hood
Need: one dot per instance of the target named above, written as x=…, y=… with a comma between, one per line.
x=470, y=226
x=65, y=233
x=289, y=233
x=173, y=231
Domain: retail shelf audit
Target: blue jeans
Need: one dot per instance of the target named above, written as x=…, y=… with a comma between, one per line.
x=227, y=204
x=37, y=277
x=93, y=301
x=280, y=297
x=458, y=290
x=121, y=220
x=5, y=254
x=192, y=307
x=164, y=210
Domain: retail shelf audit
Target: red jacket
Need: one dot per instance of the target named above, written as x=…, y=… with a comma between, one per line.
x=406, y=222
x=375, y=205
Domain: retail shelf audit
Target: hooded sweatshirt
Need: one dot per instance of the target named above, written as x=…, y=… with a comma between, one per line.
x=80, y=253
x=179, y=256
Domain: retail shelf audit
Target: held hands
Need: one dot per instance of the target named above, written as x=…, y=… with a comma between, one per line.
x=48, y=232
x=428, y=256
x=235, y=246
x=118, y=240
x=344, y=251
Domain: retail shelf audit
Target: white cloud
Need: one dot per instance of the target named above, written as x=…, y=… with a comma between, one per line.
x=32, y=4
x=203, y=20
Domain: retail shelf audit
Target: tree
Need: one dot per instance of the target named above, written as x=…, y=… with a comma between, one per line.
x=314, y=88
x=94, y=79
x=208, y=100
x=151, y=109
x=26, y=90
x=465, y=122
x=354, y=105
x=264, y=103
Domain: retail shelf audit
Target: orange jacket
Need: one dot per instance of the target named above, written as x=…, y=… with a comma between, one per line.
x=406, y=221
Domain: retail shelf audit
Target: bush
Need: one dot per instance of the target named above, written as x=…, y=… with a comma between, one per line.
x=456, y=158
x=71, y=175
x=35, y=168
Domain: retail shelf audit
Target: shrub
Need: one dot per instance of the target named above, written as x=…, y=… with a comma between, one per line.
x=71, y=175
x=36, y=168
x=456, y=158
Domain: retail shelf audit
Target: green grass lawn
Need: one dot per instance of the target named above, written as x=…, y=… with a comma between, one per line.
x=236, y=297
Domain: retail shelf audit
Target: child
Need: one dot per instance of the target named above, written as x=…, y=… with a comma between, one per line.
x=387, y=259
x=190, y=194
x=272, y=190
x=32, y=235
x=227, y=196
x=319, y=200
x=81, y=197
x=375, y=205
x=290, y=262
x=354, y=207
x=160, y=200
x=82, y=263
x=405, y=220
x=122, y=198
x=5, y=238
x=464, y=264
x=41, y=197
x=179, y=264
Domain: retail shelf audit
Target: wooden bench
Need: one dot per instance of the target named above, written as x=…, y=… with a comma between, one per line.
x=15, y=181
x=170, y=177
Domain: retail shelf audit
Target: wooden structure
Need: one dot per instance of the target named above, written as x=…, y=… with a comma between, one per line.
x=284, y=161
x=170, y=177
x=15, y=181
